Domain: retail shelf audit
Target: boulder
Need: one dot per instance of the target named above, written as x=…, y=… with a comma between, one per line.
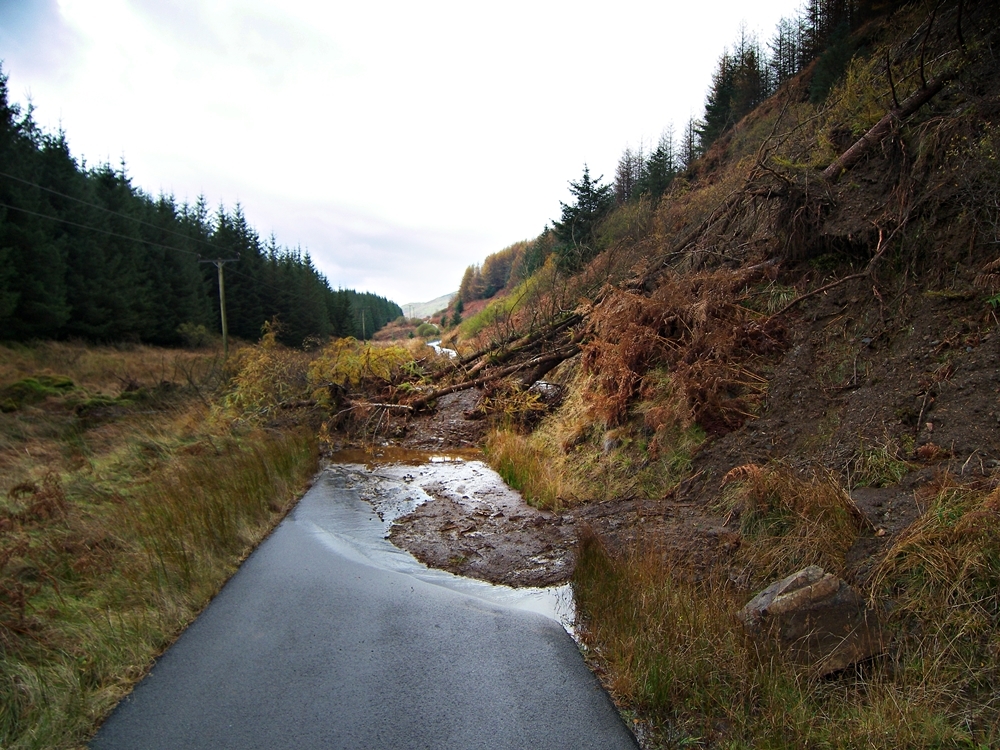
x=816, y=619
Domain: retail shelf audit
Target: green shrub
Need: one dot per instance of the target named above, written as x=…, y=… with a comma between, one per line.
x=33, y=390
x=193, y=336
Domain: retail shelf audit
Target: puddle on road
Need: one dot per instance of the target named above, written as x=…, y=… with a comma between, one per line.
x=357, y=498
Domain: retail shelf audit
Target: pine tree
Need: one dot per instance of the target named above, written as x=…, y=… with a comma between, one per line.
x=34, y=293
x=661, y=167
x=576, y=231
x=741, y=81
x=83, y=252
x=691, y=148
x=628, y=175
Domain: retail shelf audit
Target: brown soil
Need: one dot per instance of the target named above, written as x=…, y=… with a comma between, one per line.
x=925, y=382
x=479, y=527
x=447, y=426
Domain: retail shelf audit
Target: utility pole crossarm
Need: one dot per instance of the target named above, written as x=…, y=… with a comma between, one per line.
x=219, y=263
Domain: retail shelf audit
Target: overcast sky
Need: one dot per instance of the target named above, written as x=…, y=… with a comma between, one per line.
x=397, y=142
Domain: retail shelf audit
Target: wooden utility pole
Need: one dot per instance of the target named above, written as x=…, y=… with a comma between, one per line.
x=219, y=263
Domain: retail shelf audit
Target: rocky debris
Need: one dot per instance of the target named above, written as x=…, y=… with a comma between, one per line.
x=817, y=619
x=550, y=394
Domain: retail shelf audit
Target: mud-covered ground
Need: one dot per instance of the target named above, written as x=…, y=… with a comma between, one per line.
x=477, y=526
x=924, y=383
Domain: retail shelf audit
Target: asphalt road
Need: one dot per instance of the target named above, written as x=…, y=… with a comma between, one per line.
x=312, y=644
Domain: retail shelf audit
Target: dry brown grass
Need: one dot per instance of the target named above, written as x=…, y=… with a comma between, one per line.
x=675, y=651
x=571, y=458
x=108, y=369
x=943, y=576
x=789, y=521
x=126, y=502
x=116, y=393
x=694, y=326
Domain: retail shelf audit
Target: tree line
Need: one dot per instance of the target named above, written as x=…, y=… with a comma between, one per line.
x=750, y=72
x=819, y=34
x=86, y=254
x=746, y=74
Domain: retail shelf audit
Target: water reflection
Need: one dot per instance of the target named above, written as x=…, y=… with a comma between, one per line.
x=355, y=501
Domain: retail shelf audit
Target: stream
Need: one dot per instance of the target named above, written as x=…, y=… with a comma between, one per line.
x=436, y=346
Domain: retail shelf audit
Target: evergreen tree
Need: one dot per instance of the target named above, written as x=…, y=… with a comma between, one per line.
x=534, y=255
x=741, y=81
x=661, y=167
x=787, y=50
x=35, y=274
x=577, y=229
x=338, y=307
x=371, y=312
x=470, y=287
x=85, y=253
x=691, y=148
x=628, y=175
x=235, y=238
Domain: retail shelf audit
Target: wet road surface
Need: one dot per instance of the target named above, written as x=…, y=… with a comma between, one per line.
x=329, y=637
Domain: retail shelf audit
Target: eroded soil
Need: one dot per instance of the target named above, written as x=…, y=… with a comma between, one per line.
x=477, y=526
x=924, y=385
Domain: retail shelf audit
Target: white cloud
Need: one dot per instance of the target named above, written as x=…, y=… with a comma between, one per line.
x=398, y=142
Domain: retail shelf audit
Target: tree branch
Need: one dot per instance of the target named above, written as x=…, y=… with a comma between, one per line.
x=881, y=129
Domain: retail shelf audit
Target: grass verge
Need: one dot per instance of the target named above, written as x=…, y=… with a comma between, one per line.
x=670, y=645
x=121, y=517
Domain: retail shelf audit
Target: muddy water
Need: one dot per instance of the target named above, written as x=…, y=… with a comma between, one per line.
x=365, y=493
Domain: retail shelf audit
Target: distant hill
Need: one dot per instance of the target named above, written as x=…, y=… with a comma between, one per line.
x=426, y=309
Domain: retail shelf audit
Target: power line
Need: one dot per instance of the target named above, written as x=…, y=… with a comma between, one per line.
x=134, y=239
x=258, y=281
x=106, y=210
x=291, y=295
x=100, y=231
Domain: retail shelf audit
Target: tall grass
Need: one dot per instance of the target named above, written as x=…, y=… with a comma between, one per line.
x=114, y=533
x=789, y=520
x=571, y=458
x=219, y=505
x=674, y=649
x=121, y=578
x=527, y=469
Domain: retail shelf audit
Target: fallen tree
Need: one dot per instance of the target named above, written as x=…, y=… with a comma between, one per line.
x=883, y=127
x=542, y=363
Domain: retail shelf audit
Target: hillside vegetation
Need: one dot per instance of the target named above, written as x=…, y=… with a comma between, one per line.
x=133, y=482
x=770, y=342
x=791, y=342
x=129, y=492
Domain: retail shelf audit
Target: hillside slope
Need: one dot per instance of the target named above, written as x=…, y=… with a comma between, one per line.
x=789, y=359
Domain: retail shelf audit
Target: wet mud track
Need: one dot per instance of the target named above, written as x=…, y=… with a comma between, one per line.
x=329, y=637
x=453, y=512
